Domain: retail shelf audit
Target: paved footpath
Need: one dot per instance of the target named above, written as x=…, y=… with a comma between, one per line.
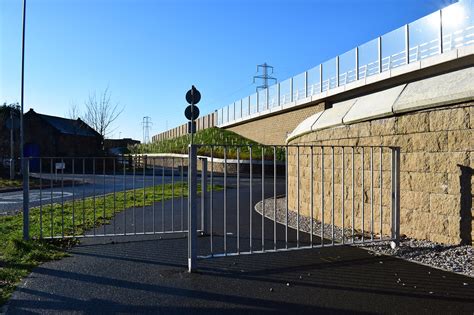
x=145, y=274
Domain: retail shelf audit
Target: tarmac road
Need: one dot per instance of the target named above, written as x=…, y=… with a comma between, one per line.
x=147, y=274
x=85, y=186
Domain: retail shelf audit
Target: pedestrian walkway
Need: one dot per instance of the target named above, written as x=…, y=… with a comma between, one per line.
x=144, y=275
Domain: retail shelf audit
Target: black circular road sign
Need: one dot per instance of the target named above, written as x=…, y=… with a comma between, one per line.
x=191, y=116
x=193, y=96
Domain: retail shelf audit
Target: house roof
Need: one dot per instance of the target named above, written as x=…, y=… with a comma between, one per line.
x=67, y=126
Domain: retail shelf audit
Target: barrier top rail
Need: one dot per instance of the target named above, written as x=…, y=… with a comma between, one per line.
x=437, y=33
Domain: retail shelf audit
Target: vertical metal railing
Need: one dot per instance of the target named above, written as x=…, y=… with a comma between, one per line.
x=85, y=199
x=74, y=197
x=395, y=202
x=288, y=181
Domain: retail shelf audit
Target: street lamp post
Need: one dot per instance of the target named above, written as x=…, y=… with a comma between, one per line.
x=12, y=146
x=24, y=164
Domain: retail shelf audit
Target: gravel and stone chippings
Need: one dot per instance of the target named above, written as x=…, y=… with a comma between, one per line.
x=454, y=258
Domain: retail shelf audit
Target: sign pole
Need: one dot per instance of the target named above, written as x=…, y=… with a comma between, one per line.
x=192, y=115
x=193, y=96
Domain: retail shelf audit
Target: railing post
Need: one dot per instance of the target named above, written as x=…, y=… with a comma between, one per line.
x=407, y=43
x=306, y=84
x=291, y=89
x=440, y=36
x=379, y=53
x=320, y=78
x=12, y=168
x=204, y=196
x=192, y=215
x=248, y=104
x=337, y=71
x=395, y=165
x=258, y=102
x=278, y=95
x=26, y=198
x=356, y=63
x=267, y=94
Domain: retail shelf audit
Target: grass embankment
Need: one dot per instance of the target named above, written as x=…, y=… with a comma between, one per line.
x=215, y=136
x=8, y=183
x=19, y=257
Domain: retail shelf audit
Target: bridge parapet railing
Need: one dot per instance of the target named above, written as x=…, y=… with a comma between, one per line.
x=437, y=33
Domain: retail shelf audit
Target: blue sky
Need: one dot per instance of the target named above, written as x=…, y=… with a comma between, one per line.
x=150, y=52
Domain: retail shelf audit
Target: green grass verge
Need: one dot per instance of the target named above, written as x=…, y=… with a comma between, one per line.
x=18, y=183
x=7, y=183
x=215, y=136
x=19, y=257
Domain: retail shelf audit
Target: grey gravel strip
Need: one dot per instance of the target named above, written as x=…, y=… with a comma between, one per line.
x=453, y=258
x=305, y=222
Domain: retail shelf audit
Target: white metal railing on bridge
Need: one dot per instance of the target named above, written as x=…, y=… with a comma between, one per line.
x=434, y=34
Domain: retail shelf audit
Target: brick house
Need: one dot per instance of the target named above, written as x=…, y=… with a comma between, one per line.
x=60, y=137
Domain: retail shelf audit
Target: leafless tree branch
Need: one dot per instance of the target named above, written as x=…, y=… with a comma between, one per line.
x=73, y=112
x=100, y=112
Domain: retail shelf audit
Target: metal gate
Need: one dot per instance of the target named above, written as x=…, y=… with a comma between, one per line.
x=239, y=199
x=72, y=197
x=282, y=198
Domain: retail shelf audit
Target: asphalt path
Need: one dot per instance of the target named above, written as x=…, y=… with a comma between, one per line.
x=147, y=273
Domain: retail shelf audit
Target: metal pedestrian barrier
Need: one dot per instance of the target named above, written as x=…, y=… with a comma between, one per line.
x=282, y=198
x=226, y=199
x=77, y=197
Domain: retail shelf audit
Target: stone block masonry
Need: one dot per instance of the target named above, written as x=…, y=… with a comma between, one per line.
x=275, y=129
x=437, y=183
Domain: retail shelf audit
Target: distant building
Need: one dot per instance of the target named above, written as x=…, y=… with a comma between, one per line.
x=119, y=146
x=59, y=137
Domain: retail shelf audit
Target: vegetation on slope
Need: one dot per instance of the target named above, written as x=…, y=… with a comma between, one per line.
x=216, y=137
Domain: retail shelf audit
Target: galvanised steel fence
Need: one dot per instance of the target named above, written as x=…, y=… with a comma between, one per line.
x=76, y=197
x=239, y=199
x=312, y=196
x=434, y=34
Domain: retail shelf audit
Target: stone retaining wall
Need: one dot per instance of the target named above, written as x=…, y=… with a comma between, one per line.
x=436, y=172
x=275, y=129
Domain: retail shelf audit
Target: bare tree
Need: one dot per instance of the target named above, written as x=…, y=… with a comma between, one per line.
x=100, y=112
x=73, y=112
